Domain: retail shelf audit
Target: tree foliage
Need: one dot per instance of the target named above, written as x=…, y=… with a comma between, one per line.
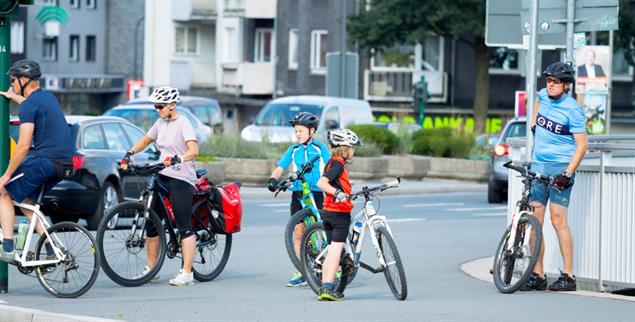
x=626, y=33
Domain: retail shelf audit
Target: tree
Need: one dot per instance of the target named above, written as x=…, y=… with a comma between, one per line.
x=390, y=22
x=626, y=36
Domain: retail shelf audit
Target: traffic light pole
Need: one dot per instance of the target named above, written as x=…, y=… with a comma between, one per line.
x=5, y=60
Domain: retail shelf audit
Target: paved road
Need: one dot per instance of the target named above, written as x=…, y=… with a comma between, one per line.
x=435, y=234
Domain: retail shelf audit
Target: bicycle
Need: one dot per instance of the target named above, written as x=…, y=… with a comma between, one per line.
x=313, y=253
x=121, y=235
x=514, y=261
x=72, y=268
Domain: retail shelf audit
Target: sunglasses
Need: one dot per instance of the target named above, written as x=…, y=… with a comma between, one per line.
x=554, y=80
x=160, y=106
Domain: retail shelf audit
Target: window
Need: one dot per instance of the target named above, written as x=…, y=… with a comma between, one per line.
x=49, y=2
x=115, y=137
x=49, y=48
x=621, y=69
x=73, y=52
x=91, y=4
x=398, y=56
x=186, y=40
x=134, y=134
x=93, y=138
x=91, y=50
x=319, y=41
x=231, y=50
x=74, y=4
x=402, y=56
x=280, y=114
x=504, y=60
x=293, y=49
x=263, y=45
x=332, y=118
x=17, y=37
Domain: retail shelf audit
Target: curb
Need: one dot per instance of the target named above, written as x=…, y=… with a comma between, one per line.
x=479, y=269
x=14, y=313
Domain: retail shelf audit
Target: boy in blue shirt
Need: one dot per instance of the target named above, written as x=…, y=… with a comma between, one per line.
x=305, y=125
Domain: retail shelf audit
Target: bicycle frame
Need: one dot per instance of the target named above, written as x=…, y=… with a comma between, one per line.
x=370, y=221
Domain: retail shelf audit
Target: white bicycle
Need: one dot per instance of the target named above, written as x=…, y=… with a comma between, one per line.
x=315, y=247
x=72, y=268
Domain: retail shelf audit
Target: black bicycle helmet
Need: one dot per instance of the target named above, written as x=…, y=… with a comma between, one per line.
x=307, y=119
x=560, y=70
x=25, y=68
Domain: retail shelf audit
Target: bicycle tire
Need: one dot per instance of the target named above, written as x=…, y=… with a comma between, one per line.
x=505, y=262
x=80, y=257
x=395, y=270
x=296, y=219
x=206, y=245
x=118, y=240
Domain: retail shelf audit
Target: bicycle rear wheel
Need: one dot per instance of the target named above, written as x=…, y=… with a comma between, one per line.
x=304, y=216
x=394, y=272
x=123, y=253
x=513, y=266
x=212, y=251
x=77, y=272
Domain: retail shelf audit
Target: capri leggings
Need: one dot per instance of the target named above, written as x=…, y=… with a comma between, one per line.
x=181, y=194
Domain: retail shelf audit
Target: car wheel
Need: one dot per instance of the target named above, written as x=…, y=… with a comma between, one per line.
x=110, y=197
x=494, y=191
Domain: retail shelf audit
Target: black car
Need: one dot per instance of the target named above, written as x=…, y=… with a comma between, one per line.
x=100, y=141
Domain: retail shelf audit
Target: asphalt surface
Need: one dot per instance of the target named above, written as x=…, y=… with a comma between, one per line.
x=435, y=234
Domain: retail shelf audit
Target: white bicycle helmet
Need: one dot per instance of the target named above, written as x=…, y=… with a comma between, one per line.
x=165, y=95
x=343, y=137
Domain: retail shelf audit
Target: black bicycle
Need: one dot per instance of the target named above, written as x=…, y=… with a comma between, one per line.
x=121, y=236
x=518, y=250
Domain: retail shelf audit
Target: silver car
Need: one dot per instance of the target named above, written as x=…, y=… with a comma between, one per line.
x=497, y=183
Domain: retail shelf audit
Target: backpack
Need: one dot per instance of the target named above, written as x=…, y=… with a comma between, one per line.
x=224, y=209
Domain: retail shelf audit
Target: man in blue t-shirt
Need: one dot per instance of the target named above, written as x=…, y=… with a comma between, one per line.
x=560, y=145
x=42, y=124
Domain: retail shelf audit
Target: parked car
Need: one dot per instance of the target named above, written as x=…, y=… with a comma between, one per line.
x=497, y=183
x=207, y=110
x=99, y=141
x=144, y=116
x=273, y=119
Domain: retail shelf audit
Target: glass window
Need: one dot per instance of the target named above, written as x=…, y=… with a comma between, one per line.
x=134, y=134
x=281, y=114
x=91, y=4
x=431, y=53
x=192, y=40
x=201, y=112
x=398, y=56
x=91, y=48
x=186, y=40
x=179, y=40
x=620, y=65
x=49, y=48
x=73, y=52
x=17, y=37
x=263, y=45
x=93, y=138
x=74, y=4
x=115, y=137
x=504, y=58
x=293, y=49
x=332, y=118
x=49, y=2
x=319, y=48
x=516, y=129
x=143, y=118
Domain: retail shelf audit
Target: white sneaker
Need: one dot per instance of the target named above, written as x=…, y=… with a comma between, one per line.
x=145, y=272
x=183, y=279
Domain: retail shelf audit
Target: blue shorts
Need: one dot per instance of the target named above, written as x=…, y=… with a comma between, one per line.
x=29, y=177
x=542, y=192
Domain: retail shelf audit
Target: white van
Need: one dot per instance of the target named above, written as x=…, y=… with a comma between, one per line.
x=273, y=119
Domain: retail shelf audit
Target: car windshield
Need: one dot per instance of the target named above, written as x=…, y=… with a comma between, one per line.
x=516, y=129
x=207, y=113
x=280, y=114
x=143, y=118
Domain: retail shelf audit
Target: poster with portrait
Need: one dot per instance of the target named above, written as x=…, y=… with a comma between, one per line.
x=520, y=103
x=592, y=85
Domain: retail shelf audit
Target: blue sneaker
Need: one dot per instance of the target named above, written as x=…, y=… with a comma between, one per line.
x=296, y=280
x=8, y=257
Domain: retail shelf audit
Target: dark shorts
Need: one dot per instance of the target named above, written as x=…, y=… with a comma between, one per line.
x=29, y=177
x=336, y=225
x=181, y=194
x=296, y=206
x=542, y=192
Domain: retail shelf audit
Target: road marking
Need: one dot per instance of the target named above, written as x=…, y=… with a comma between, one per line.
x=407, y=220
x=281, y=210
x=477, y=209
x=275, y=205
x=440, y=204
x=496, y=214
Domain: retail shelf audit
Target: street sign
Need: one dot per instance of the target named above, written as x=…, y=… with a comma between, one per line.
x=335, y=86
x=590, y=15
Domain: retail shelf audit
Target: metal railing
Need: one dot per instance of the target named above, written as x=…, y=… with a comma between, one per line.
x=601, y=213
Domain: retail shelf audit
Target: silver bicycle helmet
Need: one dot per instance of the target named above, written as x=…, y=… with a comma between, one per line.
x=343, y=137
x=165, y=95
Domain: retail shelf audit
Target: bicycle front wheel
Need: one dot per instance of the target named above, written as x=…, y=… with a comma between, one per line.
x=122, y=243
x=305, y=217
x=513, y=265
x=393, y=271
x=212, y=250
x=76, y=273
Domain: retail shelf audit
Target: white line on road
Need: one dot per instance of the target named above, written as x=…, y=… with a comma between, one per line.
x=274, y=205
x=440, y=204
x=478, y=209
x=496, y=214
x=407, y=220
x=281, y=210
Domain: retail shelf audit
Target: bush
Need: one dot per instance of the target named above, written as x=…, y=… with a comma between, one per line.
x=222, y=146
x=369, y=149
x=387, y=141
x=442, y=142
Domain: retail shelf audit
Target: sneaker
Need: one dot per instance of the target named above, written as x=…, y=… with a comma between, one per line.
x=296, y=280
x=183, y=279
x=564, y=283
x=8, y=257
x=327, y=294
x=154, y=279
x=535, y=282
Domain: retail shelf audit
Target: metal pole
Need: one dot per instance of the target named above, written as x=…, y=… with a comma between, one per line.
x=343, y=52
x=136, y=45
x=5, y=60
x=274, y=95
x=607, y=115
x=531, y=76
x=570, y=24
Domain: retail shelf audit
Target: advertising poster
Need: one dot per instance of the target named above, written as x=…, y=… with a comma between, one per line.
x=520, y=104
x=592, y=75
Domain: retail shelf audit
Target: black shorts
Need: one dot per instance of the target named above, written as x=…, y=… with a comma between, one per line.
x=336, y=225
x=297, y=195
x=181, y=194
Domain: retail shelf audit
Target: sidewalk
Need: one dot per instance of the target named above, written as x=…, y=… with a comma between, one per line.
x=14, y=313
x=406, y=187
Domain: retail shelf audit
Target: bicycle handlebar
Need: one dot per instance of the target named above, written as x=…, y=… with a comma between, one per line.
x=384, y=186
x=525, y=172
x=307, y=167
x=147, y=168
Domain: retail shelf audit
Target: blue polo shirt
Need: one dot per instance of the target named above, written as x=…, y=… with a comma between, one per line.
x=556, y=123
x=299, y=154
x=52, y=135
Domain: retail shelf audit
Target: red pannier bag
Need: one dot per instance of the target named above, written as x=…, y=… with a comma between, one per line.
x=224, y=209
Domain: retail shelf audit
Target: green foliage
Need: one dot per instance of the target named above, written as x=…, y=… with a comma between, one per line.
x=222, y=146
x=206, y=158
x=387, y=141
x=442, y=142
x=626, y=33
x=369, y=149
